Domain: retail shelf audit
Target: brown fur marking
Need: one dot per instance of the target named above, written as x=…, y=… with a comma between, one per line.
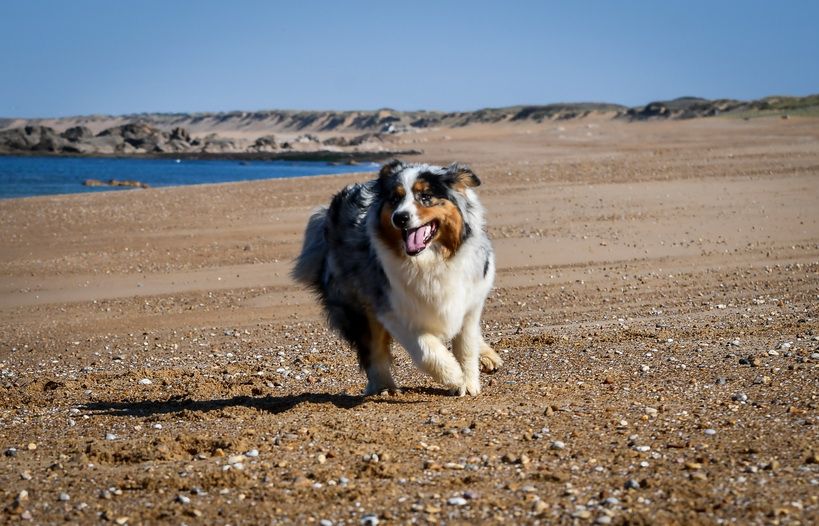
x=390, y=235
x=450, y=224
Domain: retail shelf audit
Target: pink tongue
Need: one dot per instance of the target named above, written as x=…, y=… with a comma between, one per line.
x=415, y=239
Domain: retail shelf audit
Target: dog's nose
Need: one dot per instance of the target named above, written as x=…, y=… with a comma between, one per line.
x=400, y=219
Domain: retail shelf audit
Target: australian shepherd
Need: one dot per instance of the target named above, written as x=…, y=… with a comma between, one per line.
x=405, y=257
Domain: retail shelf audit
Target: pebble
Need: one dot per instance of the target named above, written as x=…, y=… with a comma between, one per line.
x=740, y=397
x=456, y=501
x=236, y=459
x=31, y=446
x=632, y=484
x=369, y=520
x=25, y=475
x=253, y=453
x=11, y=452
x=710, y=432
x=814, y=356
x=558, y=444
x=121, y=520
x=145, y=381
x=321, y=458
x=611, y=501
x=325, y=522
x=183, y=499
x=642, y=449
x=110, y=436
x=64, y=497
x=645, y=368
x=157, y=426
x=581, y=514
x=603, y=519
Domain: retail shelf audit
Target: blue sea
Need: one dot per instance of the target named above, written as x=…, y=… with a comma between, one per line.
x=28, y=176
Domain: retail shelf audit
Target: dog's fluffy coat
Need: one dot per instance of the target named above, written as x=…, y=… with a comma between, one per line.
x=405, y=256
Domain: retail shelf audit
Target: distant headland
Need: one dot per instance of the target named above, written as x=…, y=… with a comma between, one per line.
x=341, y=136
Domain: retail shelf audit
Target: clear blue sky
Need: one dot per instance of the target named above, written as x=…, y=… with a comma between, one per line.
x=86, y=56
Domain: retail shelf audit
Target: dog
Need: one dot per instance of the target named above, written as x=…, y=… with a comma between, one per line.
x=405, y=256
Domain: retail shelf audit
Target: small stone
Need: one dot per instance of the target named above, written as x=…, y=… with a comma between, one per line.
x=698, y=475
x=651, y=411
x=693, y=466
x=645, y=368
x=539, y=506
x=183, y=499
x=110, y=436
x=11, y=452
x=642, y=449
x=632, y=484
x=121, y=520
x=321, y=458
x=325, y=522
x=814, y=356
x=740, y=397
x=145, y=381
x=157, y=426
x=603, y=519
x=31, y=446
x=236, y=459
x=253, y=453
x=549, y=411
x=64, y=497
x=710, y=432
x=369, y=520
x=557, y=444
x=456, y=501
x=582, y=514
x=25, y=475
x=22, y=496
x=26, y=515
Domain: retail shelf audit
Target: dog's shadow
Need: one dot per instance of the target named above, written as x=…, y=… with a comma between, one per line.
x=272, y=404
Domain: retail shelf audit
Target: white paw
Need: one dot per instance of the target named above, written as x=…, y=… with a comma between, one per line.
x=469, y=387
x=377, y=388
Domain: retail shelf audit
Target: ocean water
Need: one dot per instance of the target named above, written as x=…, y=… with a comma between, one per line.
x=28, y=176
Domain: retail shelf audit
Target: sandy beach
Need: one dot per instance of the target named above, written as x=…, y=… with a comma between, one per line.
x=656, y=307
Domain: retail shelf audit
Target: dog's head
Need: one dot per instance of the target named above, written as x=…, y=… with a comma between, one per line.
x=424, y=206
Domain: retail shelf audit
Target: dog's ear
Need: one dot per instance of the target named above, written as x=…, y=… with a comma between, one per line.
x=460, y=177
x=390, y=168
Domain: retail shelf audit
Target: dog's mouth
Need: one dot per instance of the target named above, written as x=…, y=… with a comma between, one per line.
x=417, y=239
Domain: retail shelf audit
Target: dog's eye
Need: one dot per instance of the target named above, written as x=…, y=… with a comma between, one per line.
x=395, y=199
x=425, y=199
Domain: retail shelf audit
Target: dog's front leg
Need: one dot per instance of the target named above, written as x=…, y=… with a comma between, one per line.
x=467, y=349
x=428, y=353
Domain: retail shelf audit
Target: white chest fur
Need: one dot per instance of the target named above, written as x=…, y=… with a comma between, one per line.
x=431, y=294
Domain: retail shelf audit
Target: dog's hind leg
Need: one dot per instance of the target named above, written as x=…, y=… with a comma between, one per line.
x=379, y=377
x=467, y=350
x=429, y=354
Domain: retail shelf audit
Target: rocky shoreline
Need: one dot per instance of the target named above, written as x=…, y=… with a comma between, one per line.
x=137, y=139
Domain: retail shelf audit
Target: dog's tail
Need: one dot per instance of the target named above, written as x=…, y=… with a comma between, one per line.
x=310, y=264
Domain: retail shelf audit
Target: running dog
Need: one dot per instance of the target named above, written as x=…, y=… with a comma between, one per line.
x=405, y=257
